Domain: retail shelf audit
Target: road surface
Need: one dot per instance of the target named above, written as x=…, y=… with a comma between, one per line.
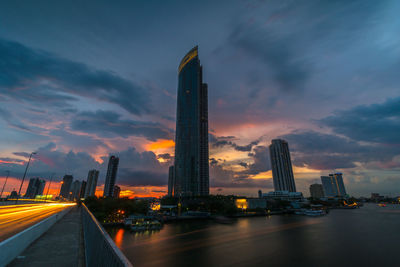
x=16, y=218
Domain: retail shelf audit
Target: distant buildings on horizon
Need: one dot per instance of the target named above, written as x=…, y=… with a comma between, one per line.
x=75, y=190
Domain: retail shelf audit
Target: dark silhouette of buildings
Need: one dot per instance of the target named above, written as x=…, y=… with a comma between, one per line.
x=92, y=177
x=171, y=178
x=117, y=191
x=333, y=185
x=83, y=189
x=66, y=186
x=75, y=190
x=317, y=191
x=111, y=176
x=35, y=187
x=281, y=166
x=191, y=170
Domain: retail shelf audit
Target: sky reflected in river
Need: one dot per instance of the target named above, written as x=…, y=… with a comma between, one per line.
x=362, y=237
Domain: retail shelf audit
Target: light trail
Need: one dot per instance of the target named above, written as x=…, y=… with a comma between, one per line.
x=16, y=218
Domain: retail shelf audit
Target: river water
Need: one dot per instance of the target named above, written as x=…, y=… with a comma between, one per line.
x=369, y=236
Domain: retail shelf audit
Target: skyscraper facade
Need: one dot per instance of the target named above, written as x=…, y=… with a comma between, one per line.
x=83, y=190
x=117, y=191
x=66, y=186
x=281, y=166
x=92, y=177
x=191, y=168
x=35, y=187
x=75, y=190
x=316, y=191
x=171, y=177
x=333, y=185
x=111, y=176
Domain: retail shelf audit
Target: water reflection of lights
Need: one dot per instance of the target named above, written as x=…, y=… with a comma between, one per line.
x=119, y=236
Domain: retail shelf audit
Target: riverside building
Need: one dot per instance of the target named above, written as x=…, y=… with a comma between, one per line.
x=191, y=170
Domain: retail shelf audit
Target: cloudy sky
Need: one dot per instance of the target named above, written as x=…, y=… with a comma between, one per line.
x=80, y=80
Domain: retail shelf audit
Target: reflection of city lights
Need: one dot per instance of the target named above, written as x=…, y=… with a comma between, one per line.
x=155, y=206
x=241, y=203
x=119, y=236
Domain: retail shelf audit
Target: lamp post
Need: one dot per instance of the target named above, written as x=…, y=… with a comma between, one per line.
x=48, y=188
x=2, y=190
x=23, y=178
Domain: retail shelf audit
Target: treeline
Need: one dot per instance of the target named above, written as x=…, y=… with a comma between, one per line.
x=111, y=209
x=215, y=204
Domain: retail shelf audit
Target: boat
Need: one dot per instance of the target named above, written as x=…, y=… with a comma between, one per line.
x=146, y=226
x=309, y=212
x=314, y=213
x=138, y=223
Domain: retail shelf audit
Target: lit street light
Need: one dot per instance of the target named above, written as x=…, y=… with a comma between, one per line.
x=23, y=178
x=8, y=173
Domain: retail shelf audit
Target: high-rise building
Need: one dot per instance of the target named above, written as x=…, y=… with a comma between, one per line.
x=92, y=177
x=117, y=191
x=35, y=187
x=281, y=164
x=66, y=186
x=111, y=176
x=83, y=190
x=171, y=177
x=333, y=185
x=191, y=168
x=316, y=191
x=75, y=190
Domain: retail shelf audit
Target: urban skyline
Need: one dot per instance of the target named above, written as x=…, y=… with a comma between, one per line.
x=270, y=77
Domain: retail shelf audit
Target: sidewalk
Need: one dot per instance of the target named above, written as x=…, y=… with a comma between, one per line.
x=61, y=245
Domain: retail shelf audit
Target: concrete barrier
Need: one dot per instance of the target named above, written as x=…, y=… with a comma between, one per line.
x=15, y=245
x=100, y=249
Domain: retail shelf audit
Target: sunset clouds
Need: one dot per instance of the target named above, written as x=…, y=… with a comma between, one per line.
x=321, y=74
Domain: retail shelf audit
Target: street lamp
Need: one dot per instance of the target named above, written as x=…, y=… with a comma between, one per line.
x=23, y=178
x=51, y=179
x=8, y=173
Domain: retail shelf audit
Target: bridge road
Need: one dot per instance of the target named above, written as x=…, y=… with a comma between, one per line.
x=16, y=218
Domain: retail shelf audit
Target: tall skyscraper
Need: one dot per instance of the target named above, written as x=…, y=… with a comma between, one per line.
x=333, y=185
x=35, y=187
x=92, y=177
x=316, y=191
x=171, y=177
x=111, y=176
x=191, y=168
x=66, y=186
x=281, y=166
x=83, y=190
x=75, y=190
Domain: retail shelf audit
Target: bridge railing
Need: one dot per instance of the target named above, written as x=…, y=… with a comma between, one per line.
x=100, y=249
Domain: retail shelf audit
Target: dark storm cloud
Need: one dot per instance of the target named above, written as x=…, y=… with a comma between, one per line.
x=12, y=121
x=40, y=77
x=225, y=141
x=141, y=178
x=278, y=54
x=140, y=168
x=378, y=123
x=110, y=124
x=261, y=162
x=165, y=156
x=326, y=151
